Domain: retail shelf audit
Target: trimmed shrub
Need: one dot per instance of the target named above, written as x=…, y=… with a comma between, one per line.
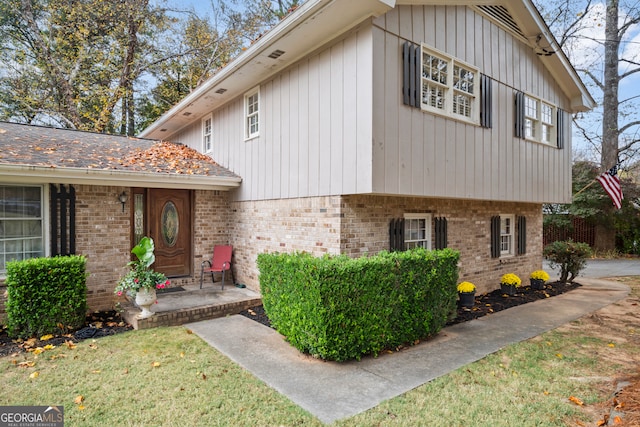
x=570, y=256
x=340, y=308
x=46, y=296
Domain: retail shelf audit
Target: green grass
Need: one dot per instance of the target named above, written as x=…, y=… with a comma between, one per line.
x=192, y=384
x=525, y=384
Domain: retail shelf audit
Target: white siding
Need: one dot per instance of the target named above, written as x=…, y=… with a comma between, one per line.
x=315, y=127
x=416, y=153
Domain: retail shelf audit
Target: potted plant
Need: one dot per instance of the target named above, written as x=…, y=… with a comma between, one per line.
x=538, y=278
x=467, y=294
x=509, y=283
x=142, y=281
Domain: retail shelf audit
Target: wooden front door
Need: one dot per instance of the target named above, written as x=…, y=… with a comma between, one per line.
x=170, y=227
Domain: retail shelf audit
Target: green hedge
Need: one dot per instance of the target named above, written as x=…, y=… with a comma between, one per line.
x=340, y=308
x=46, y=296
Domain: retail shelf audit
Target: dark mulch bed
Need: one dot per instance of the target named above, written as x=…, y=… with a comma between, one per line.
x=485, y=304
x=99, y=324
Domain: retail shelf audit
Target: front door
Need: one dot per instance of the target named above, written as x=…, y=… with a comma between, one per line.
x=170, y=227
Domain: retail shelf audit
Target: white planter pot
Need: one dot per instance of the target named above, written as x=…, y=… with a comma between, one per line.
x=145, y=298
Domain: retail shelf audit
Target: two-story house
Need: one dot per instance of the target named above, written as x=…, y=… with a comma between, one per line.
x=350, y=127
x=360, y=126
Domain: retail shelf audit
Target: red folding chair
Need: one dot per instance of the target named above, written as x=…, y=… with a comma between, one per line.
x=220, y=263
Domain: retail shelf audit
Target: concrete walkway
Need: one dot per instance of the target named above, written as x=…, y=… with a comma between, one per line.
x=332, y=391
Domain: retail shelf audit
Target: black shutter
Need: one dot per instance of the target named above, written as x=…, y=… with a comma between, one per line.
x=63, y=220
x=519, y=119
x=522, y=235
x=406, y=72
x=411, y=74
x=441, y=232
x=396, y=235
x=495, y=236
x=561, y=128
x=486, y=104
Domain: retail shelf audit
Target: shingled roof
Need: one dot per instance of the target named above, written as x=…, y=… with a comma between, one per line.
x=43, y=151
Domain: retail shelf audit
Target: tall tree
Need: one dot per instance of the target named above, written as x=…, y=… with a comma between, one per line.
x=597, y=36
x=69, y=63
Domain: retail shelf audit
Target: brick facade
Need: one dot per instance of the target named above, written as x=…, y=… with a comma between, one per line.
x=355, y=225
x=358, y=225
x=103, y=233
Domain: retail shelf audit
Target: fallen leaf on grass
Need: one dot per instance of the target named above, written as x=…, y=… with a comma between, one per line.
x=611, y=345
x=70, y=344
x=576, y=400
x=37, y=350
x=28, y=364
x=46, y=337
x=79, y=399
x=34, y=375
x=189, y=331
x=155, y=364
x=49, y=347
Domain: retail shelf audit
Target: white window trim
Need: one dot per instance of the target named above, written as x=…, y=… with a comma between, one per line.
x=538, y=123
x=248, y=134
x=511, y=235
x=205, y=134
x=44, y=194
x=450, y=90
x=427, y=238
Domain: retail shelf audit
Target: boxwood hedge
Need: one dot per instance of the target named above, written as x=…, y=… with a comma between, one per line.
x=340, y=308
x=46, y=295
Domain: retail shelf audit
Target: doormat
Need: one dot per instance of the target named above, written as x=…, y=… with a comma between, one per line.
x=169, y=290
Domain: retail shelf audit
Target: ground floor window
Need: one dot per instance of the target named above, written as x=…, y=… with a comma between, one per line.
x=417, y=231
x=506, y=234
x=21, y=223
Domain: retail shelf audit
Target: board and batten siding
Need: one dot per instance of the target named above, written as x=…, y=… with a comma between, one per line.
x=420, y=154
x=315, y=127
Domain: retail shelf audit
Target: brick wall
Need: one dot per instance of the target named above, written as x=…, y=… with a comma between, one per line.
x=366, y=219
x=287, y=225
x=103, y=237
x=358, y=225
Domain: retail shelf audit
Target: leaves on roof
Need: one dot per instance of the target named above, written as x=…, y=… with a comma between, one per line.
x=170, y=157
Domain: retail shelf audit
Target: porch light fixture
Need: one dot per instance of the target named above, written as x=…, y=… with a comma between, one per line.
x=123, y=199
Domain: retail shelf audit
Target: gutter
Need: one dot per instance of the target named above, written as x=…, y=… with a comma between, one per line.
x=28, y=174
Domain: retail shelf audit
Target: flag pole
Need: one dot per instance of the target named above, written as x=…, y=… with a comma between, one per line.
x=585, y=187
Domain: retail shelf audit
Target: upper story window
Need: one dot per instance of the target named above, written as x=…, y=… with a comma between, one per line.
x=252, y=113
x=207, y=134
x=538, y=120
x=449, y=86
x=21, y=223
x=417, y=231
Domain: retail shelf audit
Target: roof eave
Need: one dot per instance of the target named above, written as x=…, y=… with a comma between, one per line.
x=29, y=174
x=314, y=23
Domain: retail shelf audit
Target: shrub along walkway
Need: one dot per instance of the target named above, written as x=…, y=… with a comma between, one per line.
x=332, y=390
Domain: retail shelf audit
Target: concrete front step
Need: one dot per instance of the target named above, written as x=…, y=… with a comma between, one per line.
x=178, y=308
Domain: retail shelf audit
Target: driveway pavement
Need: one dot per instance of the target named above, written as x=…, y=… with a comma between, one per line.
x=599, y=268
x=332, y=391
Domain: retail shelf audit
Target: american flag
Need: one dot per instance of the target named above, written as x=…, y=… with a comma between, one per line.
x=611, y=184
